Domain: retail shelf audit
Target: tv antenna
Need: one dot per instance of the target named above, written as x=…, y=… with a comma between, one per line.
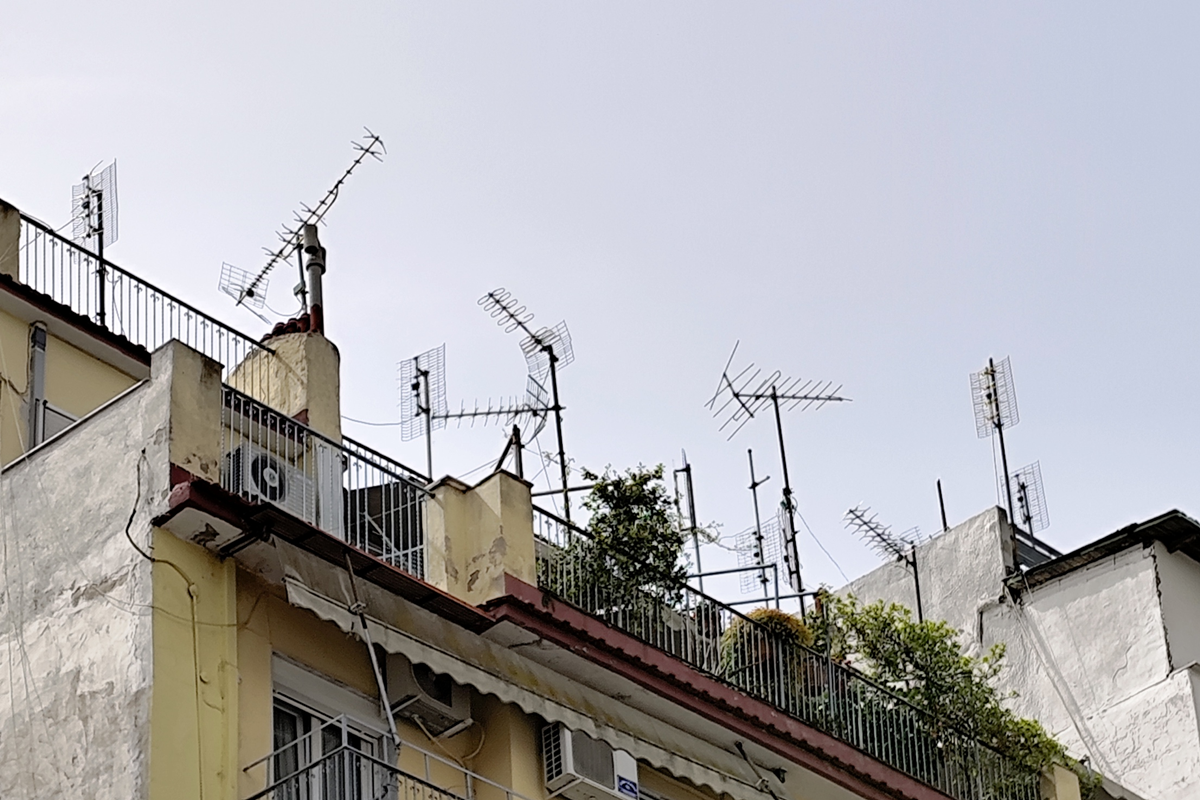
x=900, y=547
x=685, y=506
x=1032, y=513
x=292, y=235
x=546, y=350
x=423, y=407
x=94, y=222
x=994, y=399
x=748, y=393
x=235, y=282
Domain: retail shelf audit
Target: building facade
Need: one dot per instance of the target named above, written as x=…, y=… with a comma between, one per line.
x=210, y=592
x=1103, y=643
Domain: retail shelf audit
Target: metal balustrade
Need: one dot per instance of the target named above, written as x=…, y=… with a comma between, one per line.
x=344, y=759
x=345, y=489
x=731, y=647
x=128, y=306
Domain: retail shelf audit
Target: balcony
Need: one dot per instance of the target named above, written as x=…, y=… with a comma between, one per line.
x=346, y=489
x=720, y=642
x=343, y=759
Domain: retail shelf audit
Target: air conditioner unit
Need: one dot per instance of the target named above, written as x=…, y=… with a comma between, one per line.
x=262, y=476
x=417, y=692
x=581, y=768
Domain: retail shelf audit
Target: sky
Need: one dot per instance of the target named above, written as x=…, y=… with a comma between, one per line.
x=882, y=195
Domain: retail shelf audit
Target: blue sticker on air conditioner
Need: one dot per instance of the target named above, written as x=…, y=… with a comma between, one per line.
x=627, y=787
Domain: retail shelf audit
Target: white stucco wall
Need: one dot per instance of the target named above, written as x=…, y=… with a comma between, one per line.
x=1087, y=653
x=75, y=625
x=961, y=570
x=1179, y=586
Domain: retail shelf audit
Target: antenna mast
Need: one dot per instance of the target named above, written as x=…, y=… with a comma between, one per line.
x=94, y=224
x=901, y=547
x=689, y=495
x=994, y=399
x=748, y=393
x=546, y=352
x=293, y=237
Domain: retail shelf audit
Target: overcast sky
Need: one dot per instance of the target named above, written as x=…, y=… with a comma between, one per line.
x=882, y=195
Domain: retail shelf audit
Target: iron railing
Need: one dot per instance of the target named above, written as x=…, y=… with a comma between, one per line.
x=345, y=489
x=810, y=686
x=127, y=305
x=344, y=759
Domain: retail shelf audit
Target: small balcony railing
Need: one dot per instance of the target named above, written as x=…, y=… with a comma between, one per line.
x=121, y=302
x=721, y=642
x=346, y=489
x=343, y=759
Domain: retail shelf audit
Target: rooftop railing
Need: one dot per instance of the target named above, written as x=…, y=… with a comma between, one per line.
x=121, y=302
x=346, y=489
x=344, y=759
x=721, y=642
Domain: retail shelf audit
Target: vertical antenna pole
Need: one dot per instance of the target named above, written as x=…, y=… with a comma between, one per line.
x=427, y=410
x=302, y=287
x=562, y=456
x=912, y=562
x=691, y=501
x=792, y=553
x=999, y=423
x=759, y=555
x=101, y=273
x=942, y=504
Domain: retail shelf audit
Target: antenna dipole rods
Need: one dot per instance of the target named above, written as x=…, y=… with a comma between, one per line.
x=371, y=145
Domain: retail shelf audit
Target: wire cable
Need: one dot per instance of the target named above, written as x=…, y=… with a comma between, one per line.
x=373, y=424
x=823, y=550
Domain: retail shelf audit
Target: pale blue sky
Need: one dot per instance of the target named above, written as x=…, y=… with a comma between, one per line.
x=878, y=194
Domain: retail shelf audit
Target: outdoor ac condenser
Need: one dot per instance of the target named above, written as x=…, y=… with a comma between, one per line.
x=416, y=692
x=262, y=476
x=579, y=767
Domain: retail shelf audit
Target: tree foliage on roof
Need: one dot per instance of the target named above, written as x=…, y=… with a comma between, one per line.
x=924, y=662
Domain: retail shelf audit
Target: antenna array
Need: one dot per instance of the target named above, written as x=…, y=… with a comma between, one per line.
x=546, y=352
x=94, y=209
x=94, y=224
x=759, y=546
x=744, y=395
x=1026, y=484
x=994, y=399
x=292, y=236
x=235, y=282
x=892, y=546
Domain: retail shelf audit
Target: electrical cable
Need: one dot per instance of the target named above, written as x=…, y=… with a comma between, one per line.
x=372, y=424
x=823, y=550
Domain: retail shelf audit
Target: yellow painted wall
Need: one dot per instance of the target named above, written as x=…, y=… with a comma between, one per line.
x=14, y=383
x=78, y=383
x=510, y=754
x=75, y=382
x=194, y=701
x=665, y=786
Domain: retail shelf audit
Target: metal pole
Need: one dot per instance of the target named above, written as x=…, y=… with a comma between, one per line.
x=427, y=410
x=788, y=503
x=100, y=271
x=912, y=562
x=691, y=501
x=942, y=505
x=999, y=422
x=562, y=456
x=759, y=555
x=516, y=437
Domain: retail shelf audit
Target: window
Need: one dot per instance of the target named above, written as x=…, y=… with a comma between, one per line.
x=323, y=747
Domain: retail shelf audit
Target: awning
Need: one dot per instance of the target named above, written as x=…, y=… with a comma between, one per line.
x=401, y=627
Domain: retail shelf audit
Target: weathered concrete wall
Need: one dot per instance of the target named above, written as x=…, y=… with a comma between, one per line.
x=10, y=239
x=301, y=379
x=475, y=535
x=1179, y=586
x=1087, y=653
x=75, y=617
x=962, y=573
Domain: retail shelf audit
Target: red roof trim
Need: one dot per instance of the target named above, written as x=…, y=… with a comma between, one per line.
x=757, y=721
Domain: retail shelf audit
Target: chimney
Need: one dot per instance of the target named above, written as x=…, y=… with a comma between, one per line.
x=316, y=268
